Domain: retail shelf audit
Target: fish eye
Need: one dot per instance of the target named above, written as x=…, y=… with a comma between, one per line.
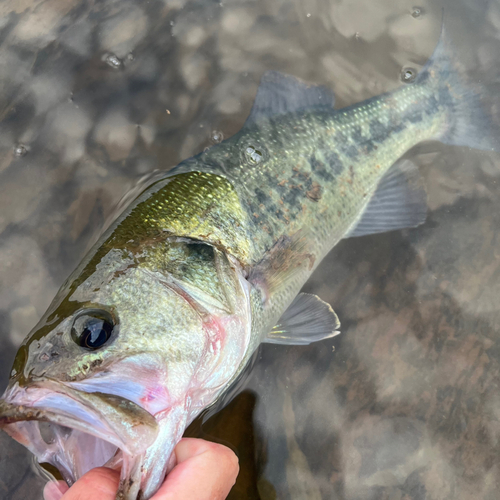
x=92, y=328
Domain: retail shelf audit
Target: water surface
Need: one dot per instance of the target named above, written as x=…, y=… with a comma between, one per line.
x=405, y=403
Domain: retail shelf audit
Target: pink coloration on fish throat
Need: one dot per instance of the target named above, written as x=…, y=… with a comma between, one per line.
x=157, y=393
x=216, y=333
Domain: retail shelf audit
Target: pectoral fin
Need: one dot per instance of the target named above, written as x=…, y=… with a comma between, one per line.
x=307, y=320
x=400, y=201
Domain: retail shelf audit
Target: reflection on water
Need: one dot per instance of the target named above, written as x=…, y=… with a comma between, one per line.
x=95, y=95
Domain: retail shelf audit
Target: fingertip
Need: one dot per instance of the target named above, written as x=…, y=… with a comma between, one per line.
x=54, y=490
x=190, y=447
x=204, y=471
x=102, y=479
x=227, y=459
x=100, y=483
x=235, y=465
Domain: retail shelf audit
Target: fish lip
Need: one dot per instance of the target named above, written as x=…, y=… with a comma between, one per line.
x=126, y=425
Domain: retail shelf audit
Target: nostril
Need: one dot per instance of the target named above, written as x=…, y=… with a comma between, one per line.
x=45, y=357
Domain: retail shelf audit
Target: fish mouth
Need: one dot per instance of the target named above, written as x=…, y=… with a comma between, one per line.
x=75, y=431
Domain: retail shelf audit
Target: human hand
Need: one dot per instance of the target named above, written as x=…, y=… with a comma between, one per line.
x=204, y=471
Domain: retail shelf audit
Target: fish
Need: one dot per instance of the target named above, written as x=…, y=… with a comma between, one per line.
x=166, y=310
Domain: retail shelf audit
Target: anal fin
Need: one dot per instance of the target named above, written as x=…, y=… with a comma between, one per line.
x=308, y=319
x=400, y=201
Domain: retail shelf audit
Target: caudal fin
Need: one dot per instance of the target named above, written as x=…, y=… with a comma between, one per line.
x=471, y=103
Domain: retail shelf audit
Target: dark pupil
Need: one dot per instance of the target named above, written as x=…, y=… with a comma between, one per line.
x=91, y=332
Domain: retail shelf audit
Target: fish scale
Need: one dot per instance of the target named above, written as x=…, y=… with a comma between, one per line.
x=319, y=150
x=337, y=151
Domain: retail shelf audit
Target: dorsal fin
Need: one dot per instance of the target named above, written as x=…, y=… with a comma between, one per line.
x=400, y=201
x=279, y=94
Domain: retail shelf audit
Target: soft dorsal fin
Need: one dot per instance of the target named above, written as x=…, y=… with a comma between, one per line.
x=400, y=201
x=279, y=94
x=307, y=320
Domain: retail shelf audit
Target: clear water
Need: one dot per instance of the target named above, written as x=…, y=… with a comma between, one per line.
x=405, y=404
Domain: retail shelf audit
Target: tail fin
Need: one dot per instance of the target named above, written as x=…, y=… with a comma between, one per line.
x=471, y=103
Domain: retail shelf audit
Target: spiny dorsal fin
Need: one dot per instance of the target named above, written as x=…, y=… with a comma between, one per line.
x=400, y=201
x=307, y=320
x=279, y=94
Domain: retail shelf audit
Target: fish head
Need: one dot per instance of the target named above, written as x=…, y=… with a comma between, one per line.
x=125, y=358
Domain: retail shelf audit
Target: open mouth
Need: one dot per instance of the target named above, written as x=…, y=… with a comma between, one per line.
x=76, y=431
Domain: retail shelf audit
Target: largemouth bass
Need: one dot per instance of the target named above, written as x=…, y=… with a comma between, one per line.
x=166, y=310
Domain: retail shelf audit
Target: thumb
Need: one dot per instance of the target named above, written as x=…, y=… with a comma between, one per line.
x=101, y=483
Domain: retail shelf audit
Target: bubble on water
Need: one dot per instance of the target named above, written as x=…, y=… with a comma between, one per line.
x=253, y=154
x=20, y=150
x=113, y=60
x=216, y=136
x=408, y=75
x=308, y=14
x=130, y=56
x=417, y=12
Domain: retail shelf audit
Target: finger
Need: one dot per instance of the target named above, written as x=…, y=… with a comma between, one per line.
x=204, y=470
x=98, y=484
x=54, y=490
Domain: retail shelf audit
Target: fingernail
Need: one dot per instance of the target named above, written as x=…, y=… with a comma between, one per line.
x=54, y=490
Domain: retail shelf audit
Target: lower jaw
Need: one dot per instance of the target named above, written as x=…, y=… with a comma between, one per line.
x=67, y=451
